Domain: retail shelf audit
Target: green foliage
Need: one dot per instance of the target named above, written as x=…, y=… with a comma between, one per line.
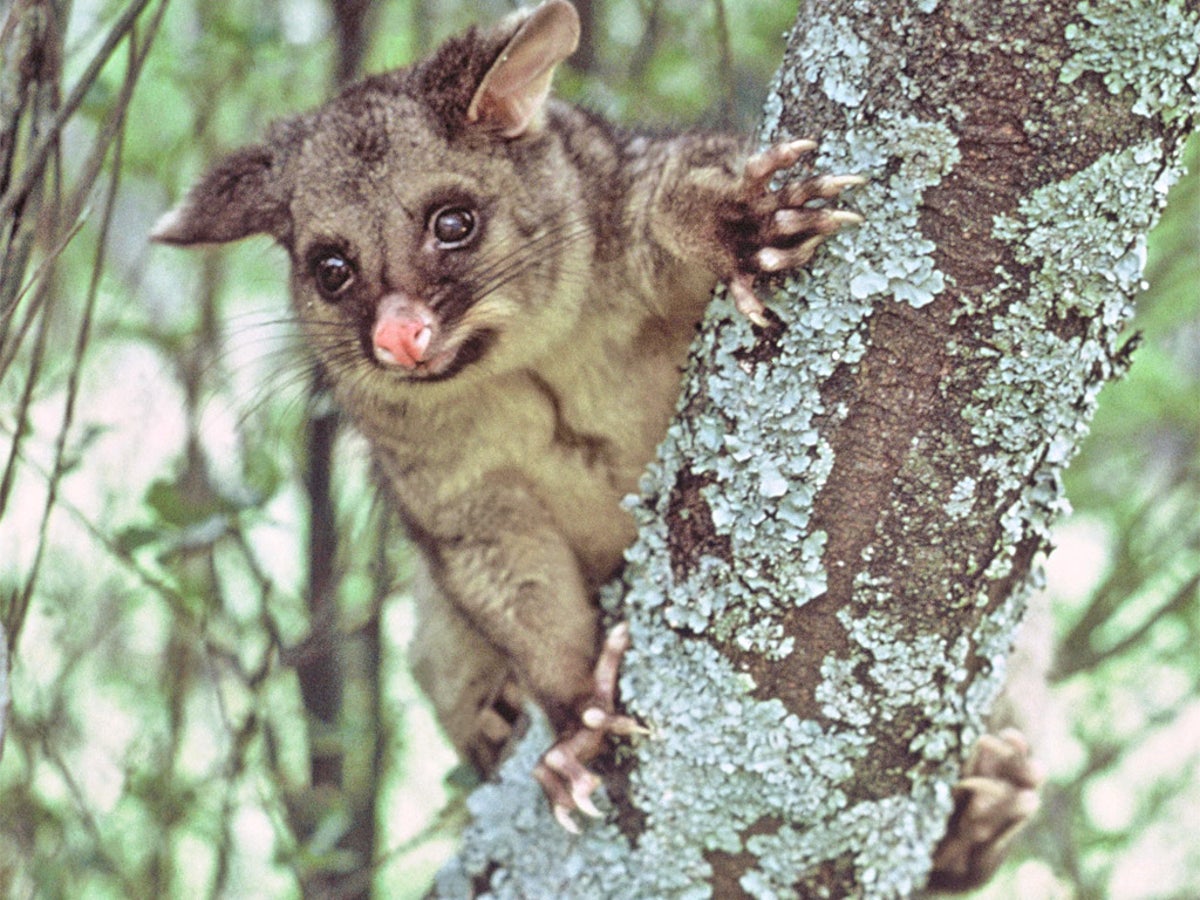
x=153, y=517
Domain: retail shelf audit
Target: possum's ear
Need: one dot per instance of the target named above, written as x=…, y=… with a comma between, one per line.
x=513, y=91
x=243, y=194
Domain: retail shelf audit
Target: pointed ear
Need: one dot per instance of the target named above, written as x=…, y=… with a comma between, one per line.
x=513, y=92
x=242, y=195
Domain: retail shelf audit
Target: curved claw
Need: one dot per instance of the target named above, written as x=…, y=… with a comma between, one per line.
x=583, y=803
x=774, y=259
x=994, y=799
x=824, y=187
x=598, y=720
x=745, y=301
x=784, y=227
x=568, y=786
x=562, y=771
x=761, y=167
x=562, y=815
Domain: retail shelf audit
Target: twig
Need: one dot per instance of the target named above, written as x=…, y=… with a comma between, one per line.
x=136, y=60
x=41, y=151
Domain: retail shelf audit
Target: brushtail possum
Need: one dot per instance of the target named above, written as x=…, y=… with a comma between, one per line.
x=502, y=289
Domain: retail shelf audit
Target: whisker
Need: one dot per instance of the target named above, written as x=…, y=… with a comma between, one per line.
x=496, y=274
x=521, y=248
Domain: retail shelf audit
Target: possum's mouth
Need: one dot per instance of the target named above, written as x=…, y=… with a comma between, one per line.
x=449, y=361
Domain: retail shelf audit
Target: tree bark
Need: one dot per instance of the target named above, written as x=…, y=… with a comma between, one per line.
x=845, y=520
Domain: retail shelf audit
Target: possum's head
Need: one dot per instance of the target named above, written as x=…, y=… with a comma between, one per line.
x=427, y=212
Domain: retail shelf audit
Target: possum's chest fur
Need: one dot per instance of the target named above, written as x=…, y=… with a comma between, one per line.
x=575, y=431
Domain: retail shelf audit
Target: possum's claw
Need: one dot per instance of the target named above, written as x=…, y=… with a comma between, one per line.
x=998, y=793
x=562, y=771
x=777, y=231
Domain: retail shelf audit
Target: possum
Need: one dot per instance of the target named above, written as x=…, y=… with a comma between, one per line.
x=501, y=289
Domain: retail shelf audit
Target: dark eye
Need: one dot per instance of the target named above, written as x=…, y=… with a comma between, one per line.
x=452, y=226
x=333, y=274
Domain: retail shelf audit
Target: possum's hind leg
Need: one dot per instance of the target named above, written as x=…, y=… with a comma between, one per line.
x=996, y=796
x=473, y=689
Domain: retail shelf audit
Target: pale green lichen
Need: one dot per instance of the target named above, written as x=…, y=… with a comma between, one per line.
x=757, y=426
x=922, y=672
x=962, y=498
x=1033, y=406
x=1152, y=54
x=840, y=74
x=757, y=429
x=922, y=152
x=784, y=767
x=790, y=850
x=1085, y=263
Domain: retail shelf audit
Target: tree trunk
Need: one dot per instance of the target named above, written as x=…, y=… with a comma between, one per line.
x=845, y=520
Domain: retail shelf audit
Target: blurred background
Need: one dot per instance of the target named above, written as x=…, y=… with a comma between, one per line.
x=209, y=696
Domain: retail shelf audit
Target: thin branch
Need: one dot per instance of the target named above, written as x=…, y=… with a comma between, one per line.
x=1178, y=603
x=43, y=305
x=83, y=336
x=41, y=151
x=31, y=55
x=5, y=697
x=725, y=65
x=45, y=268
x=52, y=752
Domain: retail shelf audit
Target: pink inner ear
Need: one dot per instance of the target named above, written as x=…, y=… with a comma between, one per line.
x=515, y=87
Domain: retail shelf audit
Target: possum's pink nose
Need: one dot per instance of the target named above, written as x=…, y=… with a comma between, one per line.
x=401, y=340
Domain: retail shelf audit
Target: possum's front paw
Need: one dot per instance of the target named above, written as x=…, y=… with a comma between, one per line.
x=562, y=771
x=774, y=231
x=997, y=795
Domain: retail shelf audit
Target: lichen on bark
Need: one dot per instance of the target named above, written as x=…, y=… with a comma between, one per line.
x=840, y=532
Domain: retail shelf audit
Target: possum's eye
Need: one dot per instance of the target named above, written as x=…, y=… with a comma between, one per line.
x=452, y=226
x=333, y=274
